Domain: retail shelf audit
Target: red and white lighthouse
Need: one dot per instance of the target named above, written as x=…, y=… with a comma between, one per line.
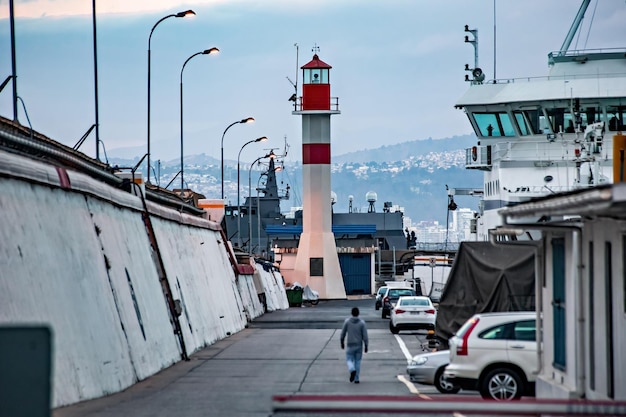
x=317, y=263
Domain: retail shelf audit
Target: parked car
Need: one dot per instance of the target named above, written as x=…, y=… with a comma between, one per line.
x=412, y=313
x=495, y=354
x=428, y=368
x=390, y=299
x=382, y=291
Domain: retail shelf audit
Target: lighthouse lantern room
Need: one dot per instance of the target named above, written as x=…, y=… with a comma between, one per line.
x=316, y=85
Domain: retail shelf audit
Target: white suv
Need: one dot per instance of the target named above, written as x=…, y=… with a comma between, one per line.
x=496, y=354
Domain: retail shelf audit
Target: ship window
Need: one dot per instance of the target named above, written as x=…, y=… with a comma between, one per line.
x=562, y=120
x=529, y=121
x=616, y=117
x=494, y=124
x=590, y=115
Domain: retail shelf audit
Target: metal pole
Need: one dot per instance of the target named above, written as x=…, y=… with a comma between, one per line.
x=222, y=163
x=182, y=180
x=246, y=120
x=261, y=139
x=222, y=154
x=179, y=14
x=182, y=168
x=250, y=202
x=13, y=70
x=250, y=207
x=494, y=40
x=95, y=75
x=238, y=206
x=148, y=160
x=258, y=219
x=394, y=262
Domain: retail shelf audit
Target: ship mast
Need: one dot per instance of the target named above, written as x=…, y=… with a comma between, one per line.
x=574, y=28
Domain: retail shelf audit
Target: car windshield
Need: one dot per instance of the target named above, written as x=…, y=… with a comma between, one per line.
x=400, y=293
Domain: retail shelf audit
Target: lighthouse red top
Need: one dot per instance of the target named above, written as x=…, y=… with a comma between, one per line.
x=316, y=85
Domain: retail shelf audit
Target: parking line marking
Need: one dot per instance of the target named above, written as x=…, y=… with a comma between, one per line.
x=408, y=384
x=404, y=349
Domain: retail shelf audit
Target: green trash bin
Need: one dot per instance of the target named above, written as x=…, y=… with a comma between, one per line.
x=294, y=296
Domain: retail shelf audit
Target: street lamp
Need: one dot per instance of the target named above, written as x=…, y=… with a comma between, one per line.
x=258, y=206
x=246, y=120
x=179, y=14
x=270, y=155
x=182, y=172
x=261, y=139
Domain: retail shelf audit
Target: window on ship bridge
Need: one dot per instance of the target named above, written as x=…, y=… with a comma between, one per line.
x=616, y=116
x=529, y=121
x=562, y=120
x=494, y=124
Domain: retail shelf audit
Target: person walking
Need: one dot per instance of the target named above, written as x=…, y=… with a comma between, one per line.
x=356, y=331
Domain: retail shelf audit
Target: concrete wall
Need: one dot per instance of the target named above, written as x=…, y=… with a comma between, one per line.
x=273, y=287
x=79, y=260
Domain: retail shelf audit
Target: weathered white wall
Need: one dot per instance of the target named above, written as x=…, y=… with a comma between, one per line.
x=252, y=305
x=80, y=261
x=274, y=287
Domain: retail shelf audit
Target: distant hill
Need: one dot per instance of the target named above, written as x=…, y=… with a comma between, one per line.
x=406, y=150
x=412, y=175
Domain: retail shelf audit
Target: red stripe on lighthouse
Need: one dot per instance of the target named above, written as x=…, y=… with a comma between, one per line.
x=316, y=153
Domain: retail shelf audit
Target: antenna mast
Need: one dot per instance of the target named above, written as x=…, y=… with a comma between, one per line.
x=294, y=96
x=297, y=69
x=494, y=41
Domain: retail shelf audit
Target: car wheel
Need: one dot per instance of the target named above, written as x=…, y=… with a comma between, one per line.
x=393, y=329
x=443, y=385
x=377, y=307
x=501, y=385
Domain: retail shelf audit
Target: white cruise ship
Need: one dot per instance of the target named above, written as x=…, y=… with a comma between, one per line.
x=549, y=134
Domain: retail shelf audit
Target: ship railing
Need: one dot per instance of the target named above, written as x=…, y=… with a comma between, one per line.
x=564, y=77
x=582, y=52
x=544, y=150
x=543, y=190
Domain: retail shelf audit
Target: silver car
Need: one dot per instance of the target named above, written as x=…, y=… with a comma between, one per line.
x=427, y=369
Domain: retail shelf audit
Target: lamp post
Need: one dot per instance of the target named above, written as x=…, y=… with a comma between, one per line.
x=246, y=120
x=261, y=139
x=182, y=171
x=179, y=14
x=258, y=206
x=269, y=155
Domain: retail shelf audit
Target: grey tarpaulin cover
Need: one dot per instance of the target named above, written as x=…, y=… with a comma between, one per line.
x=486, y=277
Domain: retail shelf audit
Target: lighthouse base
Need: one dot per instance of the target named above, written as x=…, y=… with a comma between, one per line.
x=317, y=265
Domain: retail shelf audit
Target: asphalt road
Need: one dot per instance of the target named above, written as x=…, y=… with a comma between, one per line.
x=287, y=353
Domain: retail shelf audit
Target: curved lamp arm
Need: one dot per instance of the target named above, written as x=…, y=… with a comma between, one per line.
x=211, y=51
x=179, y=14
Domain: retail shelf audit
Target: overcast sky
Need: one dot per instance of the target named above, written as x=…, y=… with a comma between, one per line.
x=398, y=66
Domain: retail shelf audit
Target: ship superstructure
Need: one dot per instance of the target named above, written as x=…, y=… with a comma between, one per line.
x=543, y=135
